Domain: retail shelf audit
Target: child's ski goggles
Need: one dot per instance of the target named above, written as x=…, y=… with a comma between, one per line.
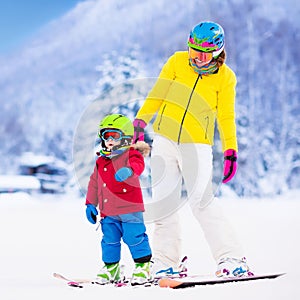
x=113, y=134
x=202, y=56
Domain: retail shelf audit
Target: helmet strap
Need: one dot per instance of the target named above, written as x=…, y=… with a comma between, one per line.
x=125, y=141
x=113, y=153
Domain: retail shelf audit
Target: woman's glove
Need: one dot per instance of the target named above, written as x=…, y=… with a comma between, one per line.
x=123, y=173
x=139, y=130
x=91, y=213
x=230, y=164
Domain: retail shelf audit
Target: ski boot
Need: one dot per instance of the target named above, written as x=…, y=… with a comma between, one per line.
x=161, y=270
x=110, y=273
x=233, y=267
x=142, y=274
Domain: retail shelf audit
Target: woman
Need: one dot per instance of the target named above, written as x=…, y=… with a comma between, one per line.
x=194, y=89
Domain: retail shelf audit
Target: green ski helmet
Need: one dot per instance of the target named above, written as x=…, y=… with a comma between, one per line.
x=117, y=121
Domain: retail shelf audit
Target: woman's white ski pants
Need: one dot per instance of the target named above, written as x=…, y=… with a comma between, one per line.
x=172, y=164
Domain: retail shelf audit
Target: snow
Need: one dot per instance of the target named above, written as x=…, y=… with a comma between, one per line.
x=43, y=234
x=30, y=159
x=19, y=182
x=51, y=82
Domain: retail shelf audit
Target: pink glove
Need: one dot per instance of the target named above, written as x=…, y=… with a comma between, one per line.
x=139, y=126
x=230, y=164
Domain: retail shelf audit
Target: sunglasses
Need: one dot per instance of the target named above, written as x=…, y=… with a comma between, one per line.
x=113, y=134
x=199, y=55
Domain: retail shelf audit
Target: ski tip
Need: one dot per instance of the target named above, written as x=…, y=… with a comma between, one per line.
x=168, y=283
x=75, y=284
x=59, y=276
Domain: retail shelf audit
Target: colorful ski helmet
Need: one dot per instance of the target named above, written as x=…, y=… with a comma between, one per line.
x=117, y=121
x=207, y=37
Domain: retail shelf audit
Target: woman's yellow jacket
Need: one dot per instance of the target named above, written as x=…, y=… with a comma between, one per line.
x=187, y=104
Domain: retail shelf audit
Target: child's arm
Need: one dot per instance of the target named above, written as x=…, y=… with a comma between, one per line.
x=92, y=191
x=136, y=162
x=135, y=166
x=92, y=198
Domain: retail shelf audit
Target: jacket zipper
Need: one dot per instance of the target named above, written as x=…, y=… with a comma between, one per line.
x=162, y=112
x=187, y=107
x=206, y=129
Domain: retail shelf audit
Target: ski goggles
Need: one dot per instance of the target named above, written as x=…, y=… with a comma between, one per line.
x=199, y=55
x=113, y=134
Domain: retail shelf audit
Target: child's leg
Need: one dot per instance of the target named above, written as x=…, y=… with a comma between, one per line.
x=134, y=235
x=111, y=240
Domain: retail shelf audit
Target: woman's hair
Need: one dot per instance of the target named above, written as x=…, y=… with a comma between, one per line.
x=221, y=58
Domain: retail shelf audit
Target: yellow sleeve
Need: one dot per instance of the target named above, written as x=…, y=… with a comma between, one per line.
x=226, y=112
x=160, y=89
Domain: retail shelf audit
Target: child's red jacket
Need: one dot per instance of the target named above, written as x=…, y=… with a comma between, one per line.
x=113, y=197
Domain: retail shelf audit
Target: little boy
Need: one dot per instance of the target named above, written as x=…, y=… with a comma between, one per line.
x=114, y=189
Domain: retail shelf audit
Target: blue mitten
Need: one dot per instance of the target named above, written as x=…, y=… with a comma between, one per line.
x=91, y=213
x=123, y=173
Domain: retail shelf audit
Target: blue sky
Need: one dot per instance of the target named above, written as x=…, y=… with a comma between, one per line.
x=21, y=19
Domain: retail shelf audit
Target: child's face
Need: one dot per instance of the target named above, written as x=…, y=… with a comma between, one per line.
x=110, y=143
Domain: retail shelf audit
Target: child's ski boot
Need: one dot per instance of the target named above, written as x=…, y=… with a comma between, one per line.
x=142, y=274
x=110, y=273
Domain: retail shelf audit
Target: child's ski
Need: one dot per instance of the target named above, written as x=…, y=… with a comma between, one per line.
x=79, y=283
x=74, y=283
x=181, y=272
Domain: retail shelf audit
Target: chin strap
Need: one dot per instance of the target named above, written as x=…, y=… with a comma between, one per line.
x=114, y=153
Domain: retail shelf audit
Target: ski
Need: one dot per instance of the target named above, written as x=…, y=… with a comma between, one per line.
x=73, y=283
x=79, y=283
x=180, y=284
x=169, y=273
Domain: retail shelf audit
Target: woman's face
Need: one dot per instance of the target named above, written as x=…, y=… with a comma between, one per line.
x=200, y=58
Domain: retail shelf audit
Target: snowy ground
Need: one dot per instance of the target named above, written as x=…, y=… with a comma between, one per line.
x=42, y=234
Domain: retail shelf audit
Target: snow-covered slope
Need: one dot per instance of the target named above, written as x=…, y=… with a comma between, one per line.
x=40, y=235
